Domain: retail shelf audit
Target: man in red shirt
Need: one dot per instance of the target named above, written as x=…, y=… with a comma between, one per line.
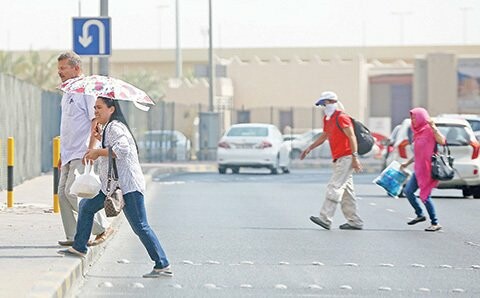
x=343, y=145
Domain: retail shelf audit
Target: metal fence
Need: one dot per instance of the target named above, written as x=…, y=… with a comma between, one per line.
x=157, y=131
x=26, y=116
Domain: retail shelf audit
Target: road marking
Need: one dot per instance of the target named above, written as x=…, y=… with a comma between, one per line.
x=136, y=285
x=123, y=261
x=384, y=289
x=105, y=284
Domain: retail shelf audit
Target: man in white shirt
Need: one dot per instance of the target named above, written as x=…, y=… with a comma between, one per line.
x=77, y=123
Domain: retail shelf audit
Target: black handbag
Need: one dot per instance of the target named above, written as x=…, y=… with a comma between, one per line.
x=114, y=201
x=442, y=164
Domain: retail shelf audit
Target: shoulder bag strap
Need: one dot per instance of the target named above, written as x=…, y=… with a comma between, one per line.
x=338, y=125
x=447, y=148
x=111, y=165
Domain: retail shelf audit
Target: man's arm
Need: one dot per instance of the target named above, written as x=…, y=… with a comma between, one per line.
x=322, y=138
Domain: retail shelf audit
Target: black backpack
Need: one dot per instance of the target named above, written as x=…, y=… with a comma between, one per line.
x=364, y=138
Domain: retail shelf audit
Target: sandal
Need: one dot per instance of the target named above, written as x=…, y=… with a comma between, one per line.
x=433, y=228
x=101, y=237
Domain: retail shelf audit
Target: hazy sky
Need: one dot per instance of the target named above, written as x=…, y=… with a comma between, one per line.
x=47, y=24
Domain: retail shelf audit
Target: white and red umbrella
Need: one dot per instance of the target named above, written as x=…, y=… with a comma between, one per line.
x=103, y=86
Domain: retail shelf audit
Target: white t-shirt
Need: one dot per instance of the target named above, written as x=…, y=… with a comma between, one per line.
x=77, y=115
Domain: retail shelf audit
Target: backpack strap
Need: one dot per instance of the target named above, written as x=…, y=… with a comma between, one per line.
x=336, y=121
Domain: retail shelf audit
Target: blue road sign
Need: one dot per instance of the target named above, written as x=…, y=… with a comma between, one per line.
x=91, y=36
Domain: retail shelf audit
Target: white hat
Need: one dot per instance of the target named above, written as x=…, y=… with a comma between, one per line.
x=326, y=95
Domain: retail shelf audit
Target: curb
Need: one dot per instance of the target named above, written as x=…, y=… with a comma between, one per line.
x=60, y=280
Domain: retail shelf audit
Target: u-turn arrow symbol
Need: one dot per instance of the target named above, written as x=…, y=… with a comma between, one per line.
x=86, y=39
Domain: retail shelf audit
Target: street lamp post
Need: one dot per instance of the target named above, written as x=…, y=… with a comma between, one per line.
x=211, y=74
x=401, y=15
x=160, y=8
x=465, y=11
x=178, y=52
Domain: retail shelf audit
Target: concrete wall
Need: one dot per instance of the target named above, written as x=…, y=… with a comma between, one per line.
x=296, y=83
x=442, y=83
x=435, y=83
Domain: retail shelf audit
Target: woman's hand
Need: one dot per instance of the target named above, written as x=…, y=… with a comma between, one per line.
x=92, y=154
x=97, y=132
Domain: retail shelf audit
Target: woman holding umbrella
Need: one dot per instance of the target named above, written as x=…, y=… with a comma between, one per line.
x=116, y=134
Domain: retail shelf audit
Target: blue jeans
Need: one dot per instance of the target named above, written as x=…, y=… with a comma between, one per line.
x=410, y=189
x=134, y=211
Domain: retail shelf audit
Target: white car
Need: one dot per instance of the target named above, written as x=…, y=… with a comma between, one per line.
x=473, y=119
x=253, y=145
x=464, y=148
x=304, y=140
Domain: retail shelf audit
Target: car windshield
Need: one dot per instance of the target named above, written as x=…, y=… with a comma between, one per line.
x=248, y=132
x=475, y=124
x=455, y=135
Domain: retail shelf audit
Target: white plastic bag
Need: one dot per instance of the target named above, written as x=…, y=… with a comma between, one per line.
x=86, y=185
x=392, y=179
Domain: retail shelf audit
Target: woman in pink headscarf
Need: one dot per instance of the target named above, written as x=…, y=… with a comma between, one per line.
x=425, y=139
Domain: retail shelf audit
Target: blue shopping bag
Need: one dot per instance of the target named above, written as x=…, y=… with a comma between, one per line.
x=392, y=179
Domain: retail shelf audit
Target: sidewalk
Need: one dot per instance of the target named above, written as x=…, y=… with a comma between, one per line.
x=29, y=263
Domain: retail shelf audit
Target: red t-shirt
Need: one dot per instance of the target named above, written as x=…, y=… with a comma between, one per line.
x=339, y=144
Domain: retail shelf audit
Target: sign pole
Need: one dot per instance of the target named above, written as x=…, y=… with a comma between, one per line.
x=103, y=61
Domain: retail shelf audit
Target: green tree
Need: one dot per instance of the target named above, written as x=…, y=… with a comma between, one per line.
x=30, y=68
x=147, y=81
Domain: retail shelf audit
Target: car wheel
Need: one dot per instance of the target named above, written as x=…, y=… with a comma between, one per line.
x=476, y=192
x=295, y=154
x=222, y=170
x=235, y=170
x=466, y=192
